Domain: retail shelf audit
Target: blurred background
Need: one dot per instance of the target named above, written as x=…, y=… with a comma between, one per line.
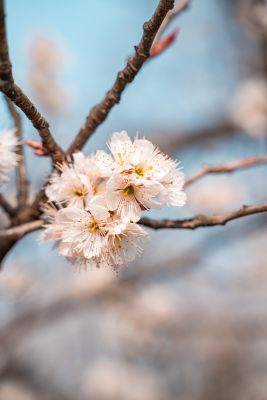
x=188, y=319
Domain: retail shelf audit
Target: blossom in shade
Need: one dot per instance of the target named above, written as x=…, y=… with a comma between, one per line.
x=8, y=155
x=123, y=247
x=248, y=109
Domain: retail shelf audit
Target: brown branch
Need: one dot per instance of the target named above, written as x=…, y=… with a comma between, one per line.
x=190, y=223
x=21, y=169
x=5, y=63
x=200, y=220
x=227, y=168
x=100, y=112
x=16, y=95
x=6, y=206
x=19, y=231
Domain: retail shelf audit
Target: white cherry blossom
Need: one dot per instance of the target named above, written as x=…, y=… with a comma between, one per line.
x=129, y=197
x=140, y=176
x=98, y=200
x=70, y=188
x=121, y=148
x=93, y=237
x=85, y=231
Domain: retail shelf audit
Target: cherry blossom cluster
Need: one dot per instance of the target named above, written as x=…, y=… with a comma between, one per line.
x=8, y=155
x=96, y=202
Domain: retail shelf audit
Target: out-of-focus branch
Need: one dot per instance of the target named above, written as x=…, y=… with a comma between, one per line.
x=142, y=52
x=21, y=169
x=19, y=231
x=16, y=95
x=257, y=15
x=226, y=168
x=200, y=220
x=6, y=206
x=180, y=139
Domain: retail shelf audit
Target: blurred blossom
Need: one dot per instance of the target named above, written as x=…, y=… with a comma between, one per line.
x=249, y=107
x=8, y=156
x=202, y=197
x=47, y=60
x=155, y=306
x=12, y=390
x=108, y=380
x=99, y=279
x=15, y=282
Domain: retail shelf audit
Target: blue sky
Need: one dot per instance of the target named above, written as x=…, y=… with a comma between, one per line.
x=186, y=86
x=190, y=85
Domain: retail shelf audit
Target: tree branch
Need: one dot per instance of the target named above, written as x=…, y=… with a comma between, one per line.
x=5, y=63
x=191, y=223
x=15, y=94
x=142, y=51
x=202, y=220
x=21, y=169
x=19, y=231
x=226, y=168
x=172, y=140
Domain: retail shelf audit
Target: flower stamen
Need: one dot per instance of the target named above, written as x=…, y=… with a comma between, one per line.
x=92, y=228
x=141, y=171
x=128, y=190
x=80, y=192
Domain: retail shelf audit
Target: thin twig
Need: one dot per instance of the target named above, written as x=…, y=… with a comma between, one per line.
x=142, y=51
x=190, y=223
x=16, y=95
x=203, y=220
x=19, y=231
x=6, y=206
x=226, y=168
x=181, y=6
x=21, y=169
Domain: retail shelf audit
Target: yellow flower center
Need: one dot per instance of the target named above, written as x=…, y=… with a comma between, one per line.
x=80, y=192
x=128, y=191
x=93, y=227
